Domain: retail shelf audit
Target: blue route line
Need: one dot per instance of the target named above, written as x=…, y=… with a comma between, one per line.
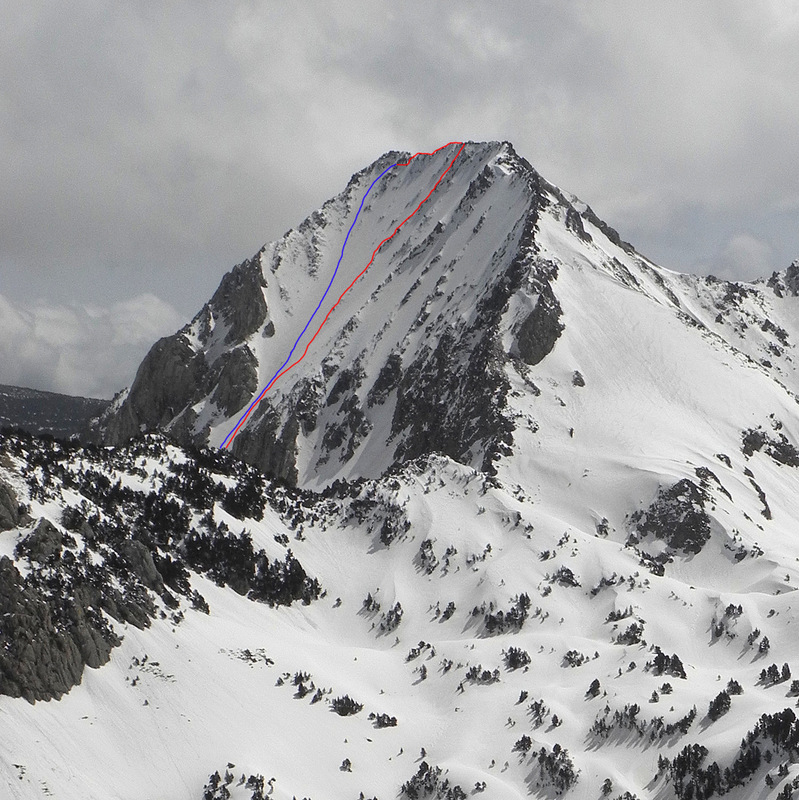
x=260, y=396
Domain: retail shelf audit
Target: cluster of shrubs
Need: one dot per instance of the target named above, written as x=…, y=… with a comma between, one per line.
x=512, y=619
x=523, y=745
x=669, y=665
x=217, y=786
x=427, y=557
x=415, y=652
x=622, y=613
x=368, y=505
x=773, y=674
x=429, y=782
x=383, y=720
x=345, y=706
x=631, y=635
x=719, y=705
x=476, y=674
x=692, y=780
x=392, y=618
x=539, y=711
x=230, y=560
x=371, y=604
x=574, y=658
x=722, y=626
x=556, y=769
x=565, y=577
x=627, y=718
x=515, y=658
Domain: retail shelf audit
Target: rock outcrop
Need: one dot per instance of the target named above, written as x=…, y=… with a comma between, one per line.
x=239, y=301
x=9, y=508
x=44, y=542
x=787, y=282
x=178, y=372
x=171, y=374
x=541, y=328
x=45, y=643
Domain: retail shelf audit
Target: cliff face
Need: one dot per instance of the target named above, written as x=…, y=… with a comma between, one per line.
x=179, y=371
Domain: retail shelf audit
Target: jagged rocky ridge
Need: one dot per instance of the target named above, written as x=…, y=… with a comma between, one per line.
x=466, y=290
x=439, y=367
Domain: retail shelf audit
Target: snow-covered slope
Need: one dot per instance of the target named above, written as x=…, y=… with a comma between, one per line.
x=529, y=495
x=475, y=612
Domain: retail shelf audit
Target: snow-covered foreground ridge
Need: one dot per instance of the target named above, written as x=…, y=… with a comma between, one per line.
x=523, y=525
x=435, y=627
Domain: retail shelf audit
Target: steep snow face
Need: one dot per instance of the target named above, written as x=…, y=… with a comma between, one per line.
x=385, y=377
x=496, y=270
x=655, y=374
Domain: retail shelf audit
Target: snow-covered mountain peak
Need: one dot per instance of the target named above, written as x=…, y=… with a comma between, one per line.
x=488, y=270
x=535, y=532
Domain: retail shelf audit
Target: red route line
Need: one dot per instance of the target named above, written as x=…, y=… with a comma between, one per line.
x=374, y=254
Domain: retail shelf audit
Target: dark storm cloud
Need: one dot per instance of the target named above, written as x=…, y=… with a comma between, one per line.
x=148, y=147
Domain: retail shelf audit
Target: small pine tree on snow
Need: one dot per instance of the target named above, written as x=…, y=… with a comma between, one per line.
x=523, y=745
x=345, y=706
x=719, y=706
x=733, y=687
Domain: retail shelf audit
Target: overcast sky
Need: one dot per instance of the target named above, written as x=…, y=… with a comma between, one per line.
x=145, y=148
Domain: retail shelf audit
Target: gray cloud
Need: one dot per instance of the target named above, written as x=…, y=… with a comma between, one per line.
x=149, y=147
x=742, y=255
x=82, y=350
